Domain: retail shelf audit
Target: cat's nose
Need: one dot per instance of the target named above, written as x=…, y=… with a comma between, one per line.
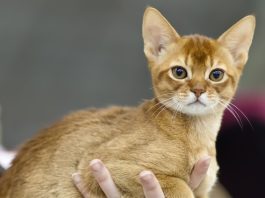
x=198, y=92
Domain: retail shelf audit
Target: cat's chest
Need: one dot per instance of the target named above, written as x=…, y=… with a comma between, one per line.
x=201, y=137
x=203, y=133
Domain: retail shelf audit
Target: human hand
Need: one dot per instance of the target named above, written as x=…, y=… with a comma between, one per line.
x=151, y=186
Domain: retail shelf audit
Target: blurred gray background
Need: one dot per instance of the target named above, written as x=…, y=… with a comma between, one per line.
x=57, y=56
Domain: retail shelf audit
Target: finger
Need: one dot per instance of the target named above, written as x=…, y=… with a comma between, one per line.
x=80, y=184
x=199, y=172
x=104, y=179
x=151, y=186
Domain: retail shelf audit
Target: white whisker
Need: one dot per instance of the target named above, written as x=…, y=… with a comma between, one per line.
x=162, y=106
x=232, y=111
x=159, y=103
x=162, y=109
x=242, y=113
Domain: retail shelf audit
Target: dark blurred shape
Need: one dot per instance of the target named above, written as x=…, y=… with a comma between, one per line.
x=241, y=151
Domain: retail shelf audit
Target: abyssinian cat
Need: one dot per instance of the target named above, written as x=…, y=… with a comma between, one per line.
x=194, y=78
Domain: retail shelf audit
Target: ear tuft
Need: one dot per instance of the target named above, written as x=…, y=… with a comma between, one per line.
x=158, y=34
x=238, y=39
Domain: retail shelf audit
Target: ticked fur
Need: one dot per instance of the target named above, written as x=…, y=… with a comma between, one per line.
x=167, y=134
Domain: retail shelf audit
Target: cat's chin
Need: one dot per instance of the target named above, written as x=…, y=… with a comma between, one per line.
x=196, y=109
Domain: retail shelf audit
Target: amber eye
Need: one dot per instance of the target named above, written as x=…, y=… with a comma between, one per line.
x=216, y=75
x=179, y=72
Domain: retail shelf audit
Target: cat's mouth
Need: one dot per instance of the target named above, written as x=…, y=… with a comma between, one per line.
x=197, y=102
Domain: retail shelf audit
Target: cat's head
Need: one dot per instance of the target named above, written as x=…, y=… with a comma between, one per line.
x=195, y=74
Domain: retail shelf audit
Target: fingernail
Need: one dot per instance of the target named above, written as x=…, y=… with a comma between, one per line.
x=95, y=165
x=76, y=177
x=146, y=175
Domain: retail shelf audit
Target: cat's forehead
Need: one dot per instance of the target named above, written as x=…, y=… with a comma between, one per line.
x=198, y=50
x=198, y=53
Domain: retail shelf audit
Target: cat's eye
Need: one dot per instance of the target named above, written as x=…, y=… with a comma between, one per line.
x=179, y=72
x=216, y=75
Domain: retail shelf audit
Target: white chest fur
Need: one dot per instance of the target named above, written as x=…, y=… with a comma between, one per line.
x=204, y=129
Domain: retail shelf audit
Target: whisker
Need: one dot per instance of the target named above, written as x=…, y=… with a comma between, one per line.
x=175, y=110
x=159, y=103
x=174, y=114
x=162, y=106
x=232, y=111
x=243, y=114
x=176, y=107
x=162, y=109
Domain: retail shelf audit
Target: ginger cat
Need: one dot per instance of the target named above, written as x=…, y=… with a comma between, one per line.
x=194, y=78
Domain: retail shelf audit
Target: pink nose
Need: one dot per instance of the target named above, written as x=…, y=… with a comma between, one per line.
x=198, y=92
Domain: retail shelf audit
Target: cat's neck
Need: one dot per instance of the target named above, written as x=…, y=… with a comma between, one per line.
x=174, y=122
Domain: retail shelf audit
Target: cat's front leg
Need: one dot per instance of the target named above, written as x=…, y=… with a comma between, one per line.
x=174, y=187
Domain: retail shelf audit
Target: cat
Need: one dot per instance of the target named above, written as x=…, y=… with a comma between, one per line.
x=194, y=78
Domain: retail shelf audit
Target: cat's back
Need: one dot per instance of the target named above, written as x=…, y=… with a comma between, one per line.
x=75, y=129
x=59, y=148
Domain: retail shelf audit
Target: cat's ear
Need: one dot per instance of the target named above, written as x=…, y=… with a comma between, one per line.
x=238, y=39
x=158, y=34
